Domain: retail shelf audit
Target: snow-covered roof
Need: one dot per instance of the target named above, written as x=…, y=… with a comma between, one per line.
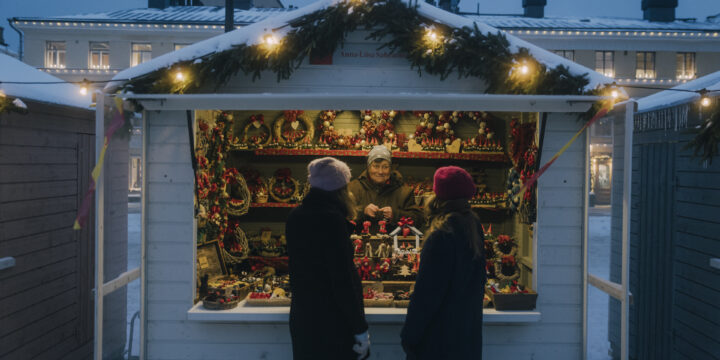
x=669, y=98
x=253, y=33
x=13, y=70
x=169, y=15
x=591, y=23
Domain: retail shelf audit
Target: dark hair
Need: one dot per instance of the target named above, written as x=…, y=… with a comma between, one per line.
x=456, y=216
x=342, y=198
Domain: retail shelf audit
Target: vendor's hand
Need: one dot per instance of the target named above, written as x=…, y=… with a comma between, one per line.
x=371, y=210
x=362, y=345
x=387, y=212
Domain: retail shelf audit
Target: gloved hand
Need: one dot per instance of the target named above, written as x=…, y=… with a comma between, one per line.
x=362, y=345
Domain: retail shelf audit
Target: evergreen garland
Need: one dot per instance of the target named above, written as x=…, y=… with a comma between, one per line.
x=466, y=51
x=706, y=143
x=8, y=105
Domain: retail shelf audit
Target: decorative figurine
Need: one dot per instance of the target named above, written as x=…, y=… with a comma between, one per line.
x=365, y=269
x=368, y=250
x=358, y=246
x=366, y=227
x=382, y=224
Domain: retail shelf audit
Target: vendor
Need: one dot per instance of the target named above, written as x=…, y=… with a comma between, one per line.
x=380, y=195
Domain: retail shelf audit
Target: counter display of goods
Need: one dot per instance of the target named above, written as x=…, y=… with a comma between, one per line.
x=250, y=175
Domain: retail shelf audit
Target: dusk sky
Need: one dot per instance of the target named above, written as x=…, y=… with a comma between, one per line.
x=699, y=9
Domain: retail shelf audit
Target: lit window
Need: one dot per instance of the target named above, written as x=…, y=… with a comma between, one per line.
x=686, y=65
x=99, y=55
x=140, y=53
x=180, y=46
x=55, y=54
x=568, y=54
x=645, y=65
x=605, y=63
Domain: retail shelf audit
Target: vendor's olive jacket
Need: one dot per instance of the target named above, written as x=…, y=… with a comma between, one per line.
x=400, y=198
x=327, y=304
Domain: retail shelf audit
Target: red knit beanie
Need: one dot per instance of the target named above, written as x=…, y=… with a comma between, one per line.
x=452, y=182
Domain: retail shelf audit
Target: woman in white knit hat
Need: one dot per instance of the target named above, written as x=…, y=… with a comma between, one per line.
x=327, y=317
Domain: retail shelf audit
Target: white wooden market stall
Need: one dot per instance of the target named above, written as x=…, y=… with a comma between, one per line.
x=173, y=327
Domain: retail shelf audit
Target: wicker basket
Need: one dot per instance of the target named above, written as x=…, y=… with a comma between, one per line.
x=214, y=305
x=378, y=302
x=514, y=301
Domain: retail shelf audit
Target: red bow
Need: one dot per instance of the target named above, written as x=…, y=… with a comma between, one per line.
x=405, y=221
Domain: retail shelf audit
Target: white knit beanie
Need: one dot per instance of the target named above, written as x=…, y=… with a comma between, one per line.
x=328, y=174
x=379, y=152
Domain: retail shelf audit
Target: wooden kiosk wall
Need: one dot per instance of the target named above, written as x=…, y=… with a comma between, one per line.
x=170, y=244
x=46, y=301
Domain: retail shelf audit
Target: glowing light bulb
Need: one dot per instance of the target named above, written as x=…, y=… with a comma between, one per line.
x=179, y=76
x=524, y=69
x=705, y=101
x=614, y=94
x=83, y=90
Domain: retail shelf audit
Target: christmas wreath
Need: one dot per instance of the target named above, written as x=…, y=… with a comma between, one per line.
x=505, y=245
x=239, y=195
x=257, y=139
x=256, y=185
x=289, y=133
x=282, y=186
x=508, y=269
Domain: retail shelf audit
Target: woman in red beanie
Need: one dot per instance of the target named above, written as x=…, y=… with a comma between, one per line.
x=444, y=319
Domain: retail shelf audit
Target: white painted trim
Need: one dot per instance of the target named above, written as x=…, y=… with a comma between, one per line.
x=99, y=226
x=585, y=245
x=715, y=263
x=280, y=315
x=613, y=289
x=7, y=263
x=627, y=188
x=120, y=281
x=282, y=101
x=143, y=237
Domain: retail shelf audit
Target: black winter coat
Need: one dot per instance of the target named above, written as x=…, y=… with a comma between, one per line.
x=327, y=305
x=444, y=319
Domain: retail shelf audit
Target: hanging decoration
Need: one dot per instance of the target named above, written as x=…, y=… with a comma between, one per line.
x=293, y=128
x=376, y=128
x=329, y=138
x=86, y=204
x=523, y=153
x=282, y=186
x=256, y=133
x=214, y=195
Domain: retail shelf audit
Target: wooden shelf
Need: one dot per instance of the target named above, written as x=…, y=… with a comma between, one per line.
x=484, y=156
x=489, y=207
x=273, y=205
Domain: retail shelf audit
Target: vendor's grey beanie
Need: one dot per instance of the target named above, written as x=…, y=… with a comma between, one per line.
x=379, y=152
x=328, y=174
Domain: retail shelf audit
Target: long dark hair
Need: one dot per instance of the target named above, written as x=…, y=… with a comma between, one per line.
x=456, y=216
x=342, y=197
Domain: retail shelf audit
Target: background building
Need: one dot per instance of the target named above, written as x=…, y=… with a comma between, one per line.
x=658, y=51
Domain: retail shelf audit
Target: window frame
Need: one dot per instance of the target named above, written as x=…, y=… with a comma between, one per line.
x=681, y=69
x=604, y=69
x=55, y=58
x=645, y=72
x=564, y=54
x=141, y=53
x=103, y=55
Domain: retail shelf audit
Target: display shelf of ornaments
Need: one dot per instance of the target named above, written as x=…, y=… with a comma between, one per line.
x=473, y=156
